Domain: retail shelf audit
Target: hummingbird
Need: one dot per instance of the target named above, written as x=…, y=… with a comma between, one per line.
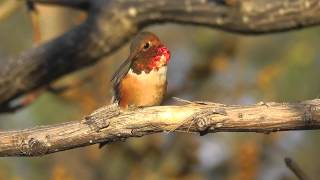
x=141, y=80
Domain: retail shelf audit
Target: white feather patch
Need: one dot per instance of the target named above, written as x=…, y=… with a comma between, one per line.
x=154, y=76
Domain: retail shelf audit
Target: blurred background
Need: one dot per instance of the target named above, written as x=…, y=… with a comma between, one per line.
x=207, y=65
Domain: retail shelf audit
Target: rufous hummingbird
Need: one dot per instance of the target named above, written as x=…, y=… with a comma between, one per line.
x=141, y=80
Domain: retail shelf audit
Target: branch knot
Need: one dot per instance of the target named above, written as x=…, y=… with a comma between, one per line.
x=33, y=147
x=203, y=121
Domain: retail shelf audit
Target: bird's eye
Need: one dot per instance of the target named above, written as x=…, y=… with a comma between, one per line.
x=147, y=45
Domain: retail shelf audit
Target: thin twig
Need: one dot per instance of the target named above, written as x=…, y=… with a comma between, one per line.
x=35, y=22
x=294, y=167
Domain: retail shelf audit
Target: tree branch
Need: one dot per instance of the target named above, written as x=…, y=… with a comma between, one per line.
x=108, y=124
x=111, y=23
x=295, y=168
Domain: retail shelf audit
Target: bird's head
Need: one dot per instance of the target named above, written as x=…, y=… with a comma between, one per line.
x=147, y=53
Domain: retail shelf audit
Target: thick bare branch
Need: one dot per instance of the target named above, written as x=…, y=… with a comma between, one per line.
x=111, y=23
x=109, y=124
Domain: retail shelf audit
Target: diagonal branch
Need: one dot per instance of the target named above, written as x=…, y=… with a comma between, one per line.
x=295, y=168
x=108, y=124
x=111, y=23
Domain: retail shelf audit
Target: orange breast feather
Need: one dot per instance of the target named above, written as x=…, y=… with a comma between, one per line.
x=143, y=89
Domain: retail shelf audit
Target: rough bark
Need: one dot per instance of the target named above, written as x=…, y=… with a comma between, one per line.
x=108, y=124
x=111, y=23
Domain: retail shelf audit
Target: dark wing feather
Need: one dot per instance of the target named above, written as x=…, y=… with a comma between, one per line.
x=116, y=78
